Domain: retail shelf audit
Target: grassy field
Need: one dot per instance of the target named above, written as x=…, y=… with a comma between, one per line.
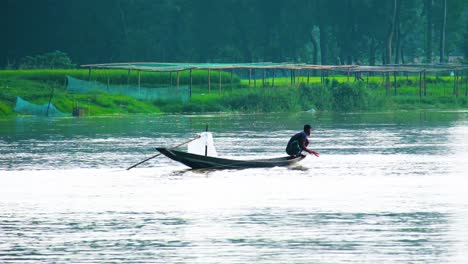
x=335, y=94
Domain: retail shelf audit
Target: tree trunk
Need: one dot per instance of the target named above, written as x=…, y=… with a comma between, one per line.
x=429, y=5
x=372, y=52
x=315, y=49
x=322, y=33
x=323, y=44
x=397, y=36
x=402, y=55
x=442, y=32
x=390, y=33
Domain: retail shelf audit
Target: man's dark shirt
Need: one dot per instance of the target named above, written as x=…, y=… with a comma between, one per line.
x=301, y=138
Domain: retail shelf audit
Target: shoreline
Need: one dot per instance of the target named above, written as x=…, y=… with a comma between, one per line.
x=335, y=95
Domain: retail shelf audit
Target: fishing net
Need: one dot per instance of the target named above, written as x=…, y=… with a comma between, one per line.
x=181, y=93
x=25, y=107
x=199, y=145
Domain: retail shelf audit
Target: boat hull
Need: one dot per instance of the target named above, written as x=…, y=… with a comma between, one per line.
x=205, y=162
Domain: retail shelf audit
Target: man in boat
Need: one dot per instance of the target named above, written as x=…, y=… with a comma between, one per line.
x=299, y=142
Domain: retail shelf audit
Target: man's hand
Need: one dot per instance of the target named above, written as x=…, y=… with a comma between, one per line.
x=315, y=153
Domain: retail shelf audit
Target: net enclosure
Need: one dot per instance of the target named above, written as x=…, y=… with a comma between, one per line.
x=270, y=70
x=174, y=67
x=180, y=93
x=24, y=107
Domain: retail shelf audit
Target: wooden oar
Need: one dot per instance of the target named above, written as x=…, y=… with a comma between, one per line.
x=152, y=157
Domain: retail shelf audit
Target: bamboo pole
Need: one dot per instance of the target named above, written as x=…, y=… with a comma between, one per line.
x=273, y=79
x=424, y=82
x=420, y=84
x=173, y=147
x=178, y=79
x=250, y=76
x=50, y=101
x=466, y=83
x=387, y=83
x=308, y=77
x=291, y=72
x=209, y=81
x=263, y=78
x=191, y=84
x=394, y=83
x=294, y=77
x=231, y=80
x=219, y=87
x=454, y=81
x=139, y=82
x=128, y=78
x=170, y=77
x=255, y=78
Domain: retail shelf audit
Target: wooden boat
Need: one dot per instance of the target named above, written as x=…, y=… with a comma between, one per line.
x=195, y=161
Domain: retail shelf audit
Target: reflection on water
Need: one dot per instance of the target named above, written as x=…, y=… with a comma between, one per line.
x=388, y=188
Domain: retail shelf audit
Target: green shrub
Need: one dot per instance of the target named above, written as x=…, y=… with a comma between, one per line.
x=51, y=60
x=5, y=109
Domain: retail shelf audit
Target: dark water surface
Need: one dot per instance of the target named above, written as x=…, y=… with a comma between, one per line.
x=388, y=188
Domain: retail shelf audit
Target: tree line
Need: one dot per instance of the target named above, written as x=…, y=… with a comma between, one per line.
x=310, y=31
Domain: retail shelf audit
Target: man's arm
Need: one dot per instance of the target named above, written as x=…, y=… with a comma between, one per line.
x=304, y=147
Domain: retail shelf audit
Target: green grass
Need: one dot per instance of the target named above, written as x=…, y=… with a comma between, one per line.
x=336, y=94
x=120, y=76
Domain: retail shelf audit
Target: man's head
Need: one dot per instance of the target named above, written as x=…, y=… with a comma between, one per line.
x=307, y=129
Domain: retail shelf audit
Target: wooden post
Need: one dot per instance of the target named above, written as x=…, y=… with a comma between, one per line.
x=294, y=77
x=250, y=76
x=50, y=100
x=170, y=77
x=209, y=81
x=460, y=83
x=466, y=83
x=128, y=78
x=308, y=77
x=291, y=77
x=206, y=146
x=454, y=81
x=139, y=81
x=420, y=84
x=219, y=87
x=394, y=83
x=190, y=86
x=273, y=79
x=348, y=74
x=231, y=80
x=255, y=78
x=387, y=82
x=263, y=78
x=424, y=82
x=178, y=79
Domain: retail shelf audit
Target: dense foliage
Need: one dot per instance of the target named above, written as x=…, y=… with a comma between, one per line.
x=313, y=31
x=49, y=60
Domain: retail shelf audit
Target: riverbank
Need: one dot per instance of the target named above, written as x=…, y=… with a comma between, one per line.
x=236, y=95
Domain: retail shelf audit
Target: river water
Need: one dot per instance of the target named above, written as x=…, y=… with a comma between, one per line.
x=387, y=188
